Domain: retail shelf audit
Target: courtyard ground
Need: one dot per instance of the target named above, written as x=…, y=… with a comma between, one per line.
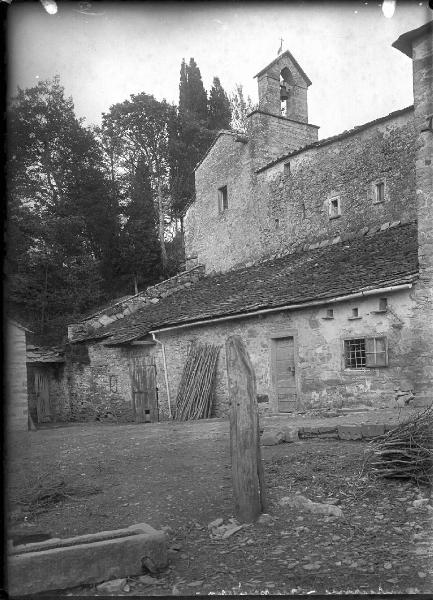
x=99, y=477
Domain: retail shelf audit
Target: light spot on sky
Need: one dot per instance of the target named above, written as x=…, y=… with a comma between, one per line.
x=104, y=52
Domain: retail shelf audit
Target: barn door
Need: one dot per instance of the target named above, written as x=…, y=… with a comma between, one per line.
x=144, y=394
x=42, y=397
x=285, y=382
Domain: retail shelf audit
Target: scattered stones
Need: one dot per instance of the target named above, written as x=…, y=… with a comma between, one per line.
x=420, y=502
x=146, y=580
x=299, y=501
x=115, y=585
x=265, y=519
x=215, y=523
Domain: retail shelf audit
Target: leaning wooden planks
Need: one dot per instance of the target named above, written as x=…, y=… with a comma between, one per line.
x=194, y=398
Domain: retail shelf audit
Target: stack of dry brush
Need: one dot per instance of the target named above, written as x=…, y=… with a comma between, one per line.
x=194, y=398
x=406, y=451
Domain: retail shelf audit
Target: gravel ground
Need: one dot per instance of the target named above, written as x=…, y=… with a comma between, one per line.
x=178, y=475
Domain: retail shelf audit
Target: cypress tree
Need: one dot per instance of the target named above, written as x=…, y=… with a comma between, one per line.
x=219, y=107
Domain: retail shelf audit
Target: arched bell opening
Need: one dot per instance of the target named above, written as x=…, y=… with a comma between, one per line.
x=286, y=91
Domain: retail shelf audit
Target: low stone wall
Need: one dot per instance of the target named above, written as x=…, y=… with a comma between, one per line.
x=357, y=431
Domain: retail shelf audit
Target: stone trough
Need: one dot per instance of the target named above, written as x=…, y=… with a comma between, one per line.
x=57, y=563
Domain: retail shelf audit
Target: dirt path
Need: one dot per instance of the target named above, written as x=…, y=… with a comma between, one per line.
x=178, y=475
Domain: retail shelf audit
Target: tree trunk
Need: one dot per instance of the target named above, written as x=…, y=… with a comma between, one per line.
x=247, y=468
x=161, y=228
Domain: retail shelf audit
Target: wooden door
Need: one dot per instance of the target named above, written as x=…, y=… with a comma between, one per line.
x=285, y=382
x=144, y=393
x=41, y=387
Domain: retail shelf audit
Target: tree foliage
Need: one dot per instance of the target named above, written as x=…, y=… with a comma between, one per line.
x=240, y=108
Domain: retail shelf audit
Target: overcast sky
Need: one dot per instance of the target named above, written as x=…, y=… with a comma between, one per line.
x=125, y=48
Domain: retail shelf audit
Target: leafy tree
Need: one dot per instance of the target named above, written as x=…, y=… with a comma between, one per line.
x=140, y=129
x=240, y=108
x=61, y=226
x=219, y=107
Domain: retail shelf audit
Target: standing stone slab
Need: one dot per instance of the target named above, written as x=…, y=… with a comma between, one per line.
x=371, y=430
x=62, y=563
x=247, y=467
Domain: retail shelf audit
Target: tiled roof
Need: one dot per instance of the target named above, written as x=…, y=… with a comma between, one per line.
x=404, y=42
x=294, y=61
x=336, y=138
x=375, y=261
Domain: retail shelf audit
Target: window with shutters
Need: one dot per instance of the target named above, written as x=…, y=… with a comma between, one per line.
x=362, y=353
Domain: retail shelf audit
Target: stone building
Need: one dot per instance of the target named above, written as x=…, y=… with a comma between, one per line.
x=319, y=253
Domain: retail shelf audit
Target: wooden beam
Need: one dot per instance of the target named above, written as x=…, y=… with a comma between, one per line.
x=247, y=468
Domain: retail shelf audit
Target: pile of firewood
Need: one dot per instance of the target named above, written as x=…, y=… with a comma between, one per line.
x=194, y=398
x=405, y=452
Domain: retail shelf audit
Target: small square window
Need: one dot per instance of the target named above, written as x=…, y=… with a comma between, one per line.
x=330, y=313
x=223, y=202
x=287, y=168
x=334, y=207
x=355, y=313
x=379, y=192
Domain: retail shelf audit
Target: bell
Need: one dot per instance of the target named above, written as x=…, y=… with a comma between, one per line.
x=284, y=94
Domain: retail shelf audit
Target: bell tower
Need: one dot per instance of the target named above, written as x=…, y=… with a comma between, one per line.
x=283, y=87
x=280, y=123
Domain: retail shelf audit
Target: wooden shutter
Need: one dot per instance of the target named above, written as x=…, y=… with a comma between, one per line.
x=376, y=354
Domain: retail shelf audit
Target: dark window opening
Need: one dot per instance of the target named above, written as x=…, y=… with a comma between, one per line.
x=303, y=210
x=355, y=313
x=287, y=168
x=379, y=193
x=223, y=198
x=277, y=223
x=334, y=208
x=383, y=304
x=330, y=313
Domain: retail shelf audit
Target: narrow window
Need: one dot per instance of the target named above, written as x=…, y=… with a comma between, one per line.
x=287, y=168
x=329, y=313
x=355, y=313
x=303, y=209
x=334, y=208
x=277, y=223
x=222, y=198
x=379, y=192
x=383, y=304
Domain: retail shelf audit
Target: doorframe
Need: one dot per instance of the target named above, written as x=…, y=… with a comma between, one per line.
x=285, y=333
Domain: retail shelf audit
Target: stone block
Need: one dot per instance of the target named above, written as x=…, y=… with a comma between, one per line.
x=327, y=429
x=349, y=432
x=272, y=438
x=59, y=564
x=290, y=434
x=371, y=430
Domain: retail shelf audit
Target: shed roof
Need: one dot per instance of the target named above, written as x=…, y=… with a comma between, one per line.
x=376, y=261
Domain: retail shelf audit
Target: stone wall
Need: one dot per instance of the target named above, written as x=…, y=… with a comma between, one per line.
x=16, y=412
x=422, y=322
x=276, y=210
x=100, y=388
x=322, y=379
